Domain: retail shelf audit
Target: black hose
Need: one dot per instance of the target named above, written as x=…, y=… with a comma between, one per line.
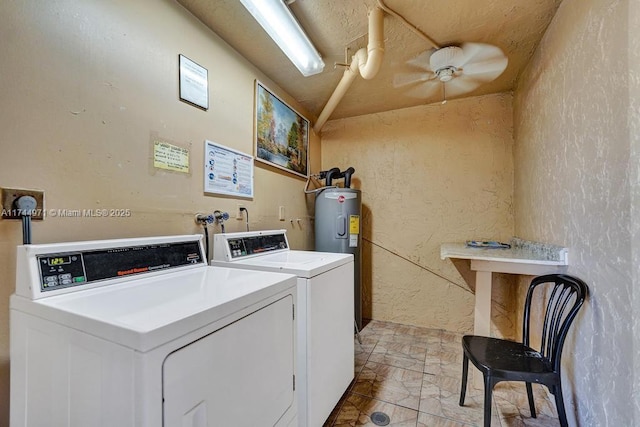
x=206, y=240
x=347, y=177
x=330, y=175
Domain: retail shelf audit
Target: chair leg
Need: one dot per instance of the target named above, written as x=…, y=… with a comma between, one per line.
x=465, y=372
x=562, y=415
x=532, y=405
x=488, y=391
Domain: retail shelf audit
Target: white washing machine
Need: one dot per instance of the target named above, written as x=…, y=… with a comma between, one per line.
x=143, y=333
x=325, y=312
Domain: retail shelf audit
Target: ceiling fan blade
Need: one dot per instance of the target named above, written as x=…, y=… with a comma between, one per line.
x=478, y=52
x=422, y=60
x=461, y=85
x=486, y=71
x=425, y=90
x=404, y=79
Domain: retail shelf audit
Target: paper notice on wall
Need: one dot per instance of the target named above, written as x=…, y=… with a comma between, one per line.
x=170, y=157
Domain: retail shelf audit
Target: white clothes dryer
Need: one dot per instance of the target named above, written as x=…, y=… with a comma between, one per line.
x=325, y=312
x=143, y=333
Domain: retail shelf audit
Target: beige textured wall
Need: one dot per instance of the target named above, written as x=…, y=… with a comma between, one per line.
x=575, y=173
x=84, y=85
x=634, y=170
x=428, y=175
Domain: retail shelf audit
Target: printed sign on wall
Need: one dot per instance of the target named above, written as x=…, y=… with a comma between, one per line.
x=227, y=171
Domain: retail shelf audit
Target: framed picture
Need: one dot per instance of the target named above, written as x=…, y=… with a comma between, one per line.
x=194, y=83
x=281, y=134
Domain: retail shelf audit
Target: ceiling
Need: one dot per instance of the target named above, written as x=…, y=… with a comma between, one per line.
x=516, y=27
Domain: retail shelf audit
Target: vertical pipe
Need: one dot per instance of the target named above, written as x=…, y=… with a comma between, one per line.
x=366, y=62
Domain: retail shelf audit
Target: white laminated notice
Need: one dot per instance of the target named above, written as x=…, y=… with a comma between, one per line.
x=353, y=240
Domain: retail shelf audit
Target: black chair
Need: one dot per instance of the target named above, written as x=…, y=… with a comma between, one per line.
x=503, y=360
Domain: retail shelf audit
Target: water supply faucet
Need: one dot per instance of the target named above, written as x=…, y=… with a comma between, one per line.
x=220, y=218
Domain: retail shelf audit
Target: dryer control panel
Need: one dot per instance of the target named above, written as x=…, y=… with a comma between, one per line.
x=77, y=268
x=50, y=269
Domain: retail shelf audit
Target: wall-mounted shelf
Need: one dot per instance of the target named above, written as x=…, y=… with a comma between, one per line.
x=524, y=257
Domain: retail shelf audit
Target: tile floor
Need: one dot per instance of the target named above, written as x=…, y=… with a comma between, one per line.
x=413, y=375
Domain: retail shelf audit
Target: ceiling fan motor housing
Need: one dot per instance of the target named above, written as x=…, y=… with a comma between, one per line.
x=444, y=62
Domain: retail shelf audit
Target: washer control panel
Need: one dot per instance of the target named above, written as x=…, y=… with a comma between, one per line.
x=254, y=245
x=64, y=270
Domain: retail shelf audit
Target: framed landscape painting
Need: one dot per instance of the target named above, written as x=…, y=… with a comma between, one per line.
x=281, y=134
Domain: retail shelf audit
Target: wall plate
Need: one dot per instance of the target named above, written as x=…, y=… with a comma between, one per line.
x=8, y=196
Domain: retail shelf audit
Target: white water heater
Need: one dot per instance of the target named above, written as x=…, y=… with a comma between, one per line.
x=338, y=227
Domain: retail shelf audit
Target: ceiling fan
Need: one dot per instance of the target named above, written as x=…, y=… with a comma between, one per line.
x=453, y=69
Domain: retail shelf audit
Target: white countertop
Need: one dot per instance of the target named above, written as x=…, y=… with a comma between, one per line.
x=523, y=254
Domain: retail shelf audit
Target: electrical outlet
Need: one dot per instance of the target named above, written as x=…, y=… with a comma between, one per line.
x=238, y=211
x=9, y=196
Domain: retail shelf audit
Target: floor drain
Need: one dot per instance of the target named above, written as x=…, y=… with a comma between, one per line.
x=380, y=419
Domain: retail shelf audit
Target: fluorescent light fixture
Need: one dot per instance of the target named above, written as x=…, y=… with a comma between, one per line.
x=278, y=21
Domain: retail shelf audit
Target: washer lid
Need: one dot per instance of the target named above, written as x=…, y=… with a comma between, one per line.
x=149, y=312
x=305, y=264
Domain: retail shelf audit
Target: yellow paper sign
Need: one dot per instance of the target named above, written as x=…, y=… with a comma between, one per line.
x=354, y=224
x=170, y=157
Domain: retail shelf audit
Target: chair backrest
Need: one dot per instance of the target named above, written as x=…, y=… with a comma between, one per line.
x=565, y=297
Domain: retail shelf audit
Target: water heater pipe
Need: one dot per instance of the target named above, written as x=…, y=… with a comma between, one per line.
x=347, y=177
x=365, y=62
x=369, y=60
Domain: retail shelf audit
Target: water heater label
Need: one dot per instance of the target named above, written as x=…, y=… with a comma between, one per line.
x=354, y=230
x=354, y=224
